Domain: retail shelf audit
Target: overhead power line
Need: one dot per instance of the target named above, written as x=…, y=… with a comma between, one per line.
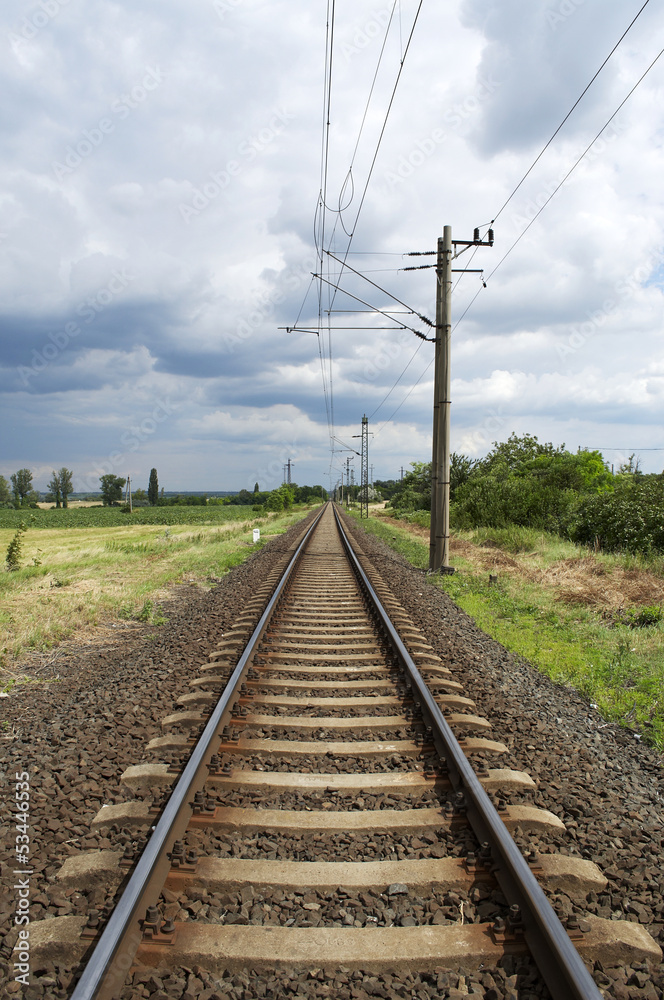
x=569, y=113
x=576, y=163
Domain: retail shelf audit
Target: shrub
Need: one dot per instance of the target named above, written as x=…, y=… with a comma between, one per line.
x=629, y=518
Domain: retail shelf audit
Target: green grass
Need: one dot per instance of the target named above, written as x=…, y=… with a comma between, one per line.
x=619, y=667
x=92, y=575
x=399, y=539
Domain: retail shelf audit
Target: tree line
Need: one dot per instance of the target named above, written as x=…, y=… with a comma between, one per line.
x=524, y=482
x=60, y=488
x=23, y=493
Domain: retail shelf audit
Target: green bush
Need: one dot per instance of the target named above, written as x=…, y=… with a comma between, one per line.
x=629, y=518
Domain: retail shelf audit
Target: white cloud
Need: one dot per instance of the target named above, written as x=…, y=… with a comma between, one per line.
x=202, y=185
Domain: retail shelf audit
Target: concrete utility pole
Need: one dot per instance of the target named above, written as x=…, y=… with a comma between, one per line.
x=439, y=539
x=128, y=494
x=440, y=461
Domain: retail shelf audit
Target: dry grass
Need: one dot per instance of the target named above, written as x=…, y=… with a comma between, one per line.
x=74, y=581
x=598, y=582
x=576, y=615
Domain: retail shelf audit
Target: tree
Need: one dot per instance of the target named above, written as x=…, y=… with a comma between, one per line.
x=21, y=486
x=512, y=456
x=5, y=495
x=111, y=489
x=61, y=486
x=632, y=467
x=256, y=489
x=153, y=488
x=66, y=486
x=54, y=487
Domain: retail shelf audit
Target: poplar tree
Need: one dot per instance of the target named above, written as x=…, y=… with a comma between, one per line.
x=153, y=488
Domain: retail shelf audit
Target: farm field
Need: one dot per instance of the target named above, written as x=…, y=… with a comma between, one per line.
x=592, y=621
x=72, y=581
x=94, y=516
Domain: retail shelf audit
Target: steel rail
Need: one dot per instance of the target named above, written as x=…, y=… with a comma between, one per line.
x=559, y=962
x=109, y=962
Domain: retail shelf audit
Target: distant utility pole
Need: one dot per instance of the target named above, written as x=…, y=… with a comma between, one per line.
x=128, y=494
x=364, y=469
x=402, y=473
x=439, y=540
x=348, y=471
x=371, y=467
x=287, y=471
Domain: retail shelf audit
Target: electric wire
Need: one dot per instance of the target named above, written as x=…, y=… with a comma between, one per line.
x=410, y=309
x=364, y=116
x=569, y=113
x=410, y=391
x=319, y=239
x=401, y=325
x=575, y=164
x=322, y=207
x=389, y=393
x=382, y=133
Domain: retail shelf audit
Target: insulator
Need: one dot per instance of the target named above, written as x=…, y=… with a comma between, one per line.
x=476, y=235
x=490, y=237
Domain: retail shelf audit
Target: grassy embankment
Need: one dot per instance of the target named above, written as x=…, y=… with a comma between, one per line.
x=73, y=579
x=572, y=613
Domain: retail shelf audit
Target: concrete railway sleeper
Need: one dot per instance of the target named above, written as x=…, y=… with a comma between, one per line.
x=315, y=808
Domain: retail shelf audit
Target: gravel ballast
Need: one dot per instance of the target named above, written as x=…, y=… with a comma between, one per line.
x=77, y=734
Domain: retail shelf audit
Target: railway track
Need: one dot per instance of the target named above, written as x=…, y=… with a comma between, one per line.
x=312, y=810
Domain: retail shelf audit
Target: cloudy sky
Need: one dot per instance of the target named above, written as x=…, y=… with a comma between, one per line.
x=161, y=171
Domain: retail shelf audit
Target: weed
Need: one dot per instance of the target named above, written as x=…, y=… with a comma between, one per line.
x=643, y=617
x=13, y=557
x=150, y=613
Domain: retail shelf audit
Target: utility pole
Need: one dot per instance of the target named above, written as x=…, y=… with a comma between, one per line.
x=402, y=473
x=287, y=472
x=371, y=468
x=439, y=539
x=348, y=481
x=128, y=493
x=364, y=471
x=364, y=467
